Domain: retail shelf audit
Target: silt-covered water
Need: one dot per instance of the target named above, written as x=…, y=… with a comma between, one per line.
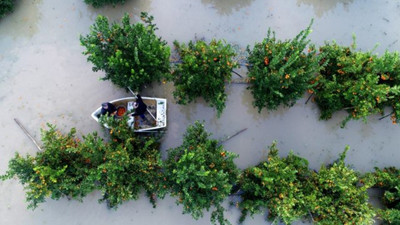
x=45, y=78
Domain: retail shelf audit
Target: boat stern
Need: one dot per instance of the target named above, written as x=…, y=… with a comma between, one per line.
x=161, y=118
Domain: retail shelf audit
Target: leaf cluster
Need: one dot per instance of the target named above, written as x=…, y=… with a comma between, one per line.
x=63, y=169
x=280, y=71
x=69, y=167
x=388, y=180
x=203, y=72
x=337, y=197
x=200, y=173
x=131, y=163
x=290, y=191
x=100, y=3
x=6, y=7
x=131, y=55
x=359, y=82
x=279, y=184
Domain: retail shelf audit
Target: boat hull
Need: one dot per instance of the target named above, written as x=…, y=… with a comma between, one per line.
x=157, y=111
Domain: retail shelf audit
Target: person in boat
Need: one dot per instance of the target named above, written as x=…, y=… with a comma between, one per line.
x=109, y=108
x=140, y=108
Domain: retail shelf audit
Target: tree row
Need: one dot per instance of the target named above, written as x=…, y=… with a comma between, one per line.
x=279, y=71
x=200, y=174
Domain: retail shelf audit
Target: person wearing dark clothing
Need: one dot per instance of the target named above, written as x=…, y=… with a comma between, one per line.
x=140, y=107
x=109, y=108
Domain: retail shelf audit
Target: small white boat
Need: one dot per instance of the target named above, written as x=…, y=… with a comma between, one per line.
x=156, y=114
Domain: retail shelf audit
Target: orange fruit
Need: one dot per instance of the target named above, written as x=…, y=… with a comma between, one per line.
x=266, y=61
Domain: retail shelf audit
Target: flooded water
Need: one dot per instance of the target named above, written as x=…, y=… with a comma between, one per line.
x=45, y=78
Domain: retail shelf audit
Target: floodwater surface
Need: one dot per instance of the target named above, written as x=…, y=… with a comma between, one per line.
x=45, y=78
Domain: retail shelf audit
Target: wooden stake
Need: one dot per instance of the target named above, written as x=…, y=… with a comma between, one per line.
x=308, y=99
x=383, y=117
x=230, y=137
x=27, y=134
x=237, y=73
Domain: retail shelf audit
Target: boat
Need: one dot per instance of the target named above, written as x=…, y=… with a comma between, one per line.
x=156, y=114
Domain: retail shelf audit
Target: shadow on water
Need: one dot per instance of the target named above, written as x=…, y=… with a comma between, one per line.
x=323, y=6
x=227, y=7
x=133, y=7
x=23, y=21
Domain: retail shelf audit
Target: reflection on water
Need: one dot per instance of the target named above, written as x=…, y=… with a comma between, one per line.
x=23, y=21
x=226, y=7
x=133, y=7
x=322, y=6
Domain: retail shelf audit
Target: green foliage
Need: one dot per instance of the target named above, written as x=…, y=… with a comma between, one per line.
x=131, y=163
x=200, y=173
x=203, y=72
x=280, y=71
x=337, y=197
x=360, y=82
x=388, y=180
x=389, y=216
x=130, y=55
x=279, y=184
x=100, y=3
x=73, y=168
x=6, y=7
x=62, y=169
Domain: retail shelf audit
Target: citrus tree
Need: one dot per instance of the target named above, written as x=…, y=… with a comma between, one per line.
x=337, y=196
x=280, y=185
x=131, y=55
x=131, y=163
x=200, y=173
x=71, y=167
x=6, y=7
x=281, y=71
x=388, y=180
x=203, y=72
x=62, y=169
x=388, y=72
x=100, y=3
x=359, y=82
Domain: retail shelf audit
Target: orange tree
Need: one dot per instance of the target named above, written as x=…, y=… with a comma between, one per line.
x=63, y=168
x=68, y=167
x=279, y=184
x=280, y=71
x=200, y=173
x=359, y=82
x=203, y=72
x=388, y=180
x=337, y=196
x=389, y=74
x=100, y=3
x=130, y=164
x=130, y=55
x=6, y=7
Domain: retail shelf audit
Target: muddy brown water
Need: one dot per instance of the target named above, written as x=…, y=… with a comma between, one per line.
x=45, y=78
